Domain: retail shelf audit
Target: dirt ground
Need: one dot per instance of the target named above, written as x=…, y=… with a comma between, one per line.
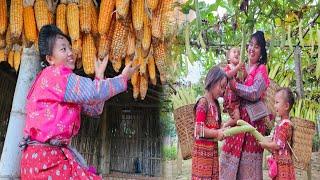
x=171, y=170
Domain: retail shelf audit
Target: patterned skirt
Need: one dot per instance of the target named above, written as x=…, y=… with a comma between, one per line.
x=52, y=162
x=205, y=161
x=285, y=168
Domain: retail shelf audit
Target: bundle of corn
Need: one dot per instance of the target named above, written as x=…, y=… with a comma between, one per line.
x=30, y=27
x=3, y=17
x=85, y=16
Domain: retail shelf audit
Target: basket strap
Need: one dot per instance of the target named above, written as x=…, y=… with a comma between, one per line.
x=292, y=151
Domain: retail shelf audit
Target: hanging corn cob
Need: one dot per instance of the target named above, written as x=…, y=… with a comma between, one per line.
x=3, y=56
x=146, y=40
x=141, y=60
x=3, y=17
x=94, y=18
x=143, y=85
x=137, y=14
x=105, y=15
x=127, y=60
x=102, y=51
x=156, y=22
x=136, y=88
x=167, y=18
x=61, y=19
x=17, y=57
x=76, y=47
x=122, y=8
x=41, y=12
x=110, y=36
x=88, y=54
x=8, y=39
x=134, y=78
x=73, y=21
x=152, y=69
x=30, y=27
x=152, y=4
x=85, y=16
x=159, y=58
x=131, y=43
x=16, y=18
x=119, y=40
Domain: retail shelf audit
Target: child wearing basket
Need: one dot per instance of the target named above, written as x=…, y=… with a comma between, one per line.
x=231, y=101
x=205, y=161
x=53, y=108
x=280, y=162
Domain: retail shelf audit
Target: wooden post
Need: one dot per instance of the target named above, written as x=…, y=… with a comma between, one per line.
x=103, y=151
x=11, y=154
x=179, y=159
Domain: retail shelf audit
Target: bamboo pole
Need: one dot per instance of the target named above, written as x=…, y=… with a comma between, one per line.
x=11, y=154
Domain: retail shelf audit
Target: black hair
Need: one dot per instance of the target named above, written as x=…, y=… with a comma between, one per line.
x=215, y=74
x=259, y=37
x=47, y=37
x=288, y=96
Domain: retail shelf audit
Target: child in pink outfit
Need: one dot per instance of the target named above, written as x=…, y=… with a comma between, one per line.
x=53, y=108
x=231, y=101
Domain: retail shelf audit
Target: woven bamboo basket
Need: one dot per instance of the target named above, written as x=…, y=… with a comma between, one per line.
x=184, y=118
x=269, y=96
x=302, y=142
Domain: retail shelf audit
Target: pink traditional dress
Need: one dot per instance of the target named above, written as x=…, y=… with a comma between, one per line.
x=205, y=159
x=283, y=156
x=241, y=156
x=53, y=108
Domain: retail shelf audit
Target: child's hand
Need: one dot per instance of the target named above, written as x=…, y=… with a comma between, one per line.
x=265, y=143
x=100, y=67
x=128, y=70
x=220, y=136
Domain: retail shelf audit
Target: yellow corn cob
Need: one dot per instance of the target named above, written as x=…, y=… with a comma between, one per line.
x=152, y=69
x=3, y=56
x=137, y=14
x=85, y=16
x=110, y=36
x=61, y=19
x=2, y=41
x=105, y=15
x=142, y=60
x=153, y=81
x=166, y=17
x=94, y=18
x=41, y=12
x=119, y=39
x=136, y=88
x=76, y=48
x=122, y=7
x=8, y=38
x=152, y=4
x=16, y=18
x=102, y=46
x=10, y=58
x=30, y=27
x=156, y=22
x=16, y=59
x=135, y=75
x=131, y=43
x=3, y=16
x=88, y=54
x=73, y=21
x=143, y=86
x=159, y=58
x=50, y=17
x=146, y=40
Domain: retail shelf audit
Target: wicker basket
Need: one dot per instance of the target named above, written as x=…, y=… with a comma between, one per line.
x=184, y=118
x=302, y=142
x=269, y=96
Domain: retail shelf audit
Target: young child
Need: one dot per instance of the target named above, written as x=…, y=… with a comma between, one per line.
x=279, y=144
x=53, y=108
x=231, y=100
x=205, y=160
